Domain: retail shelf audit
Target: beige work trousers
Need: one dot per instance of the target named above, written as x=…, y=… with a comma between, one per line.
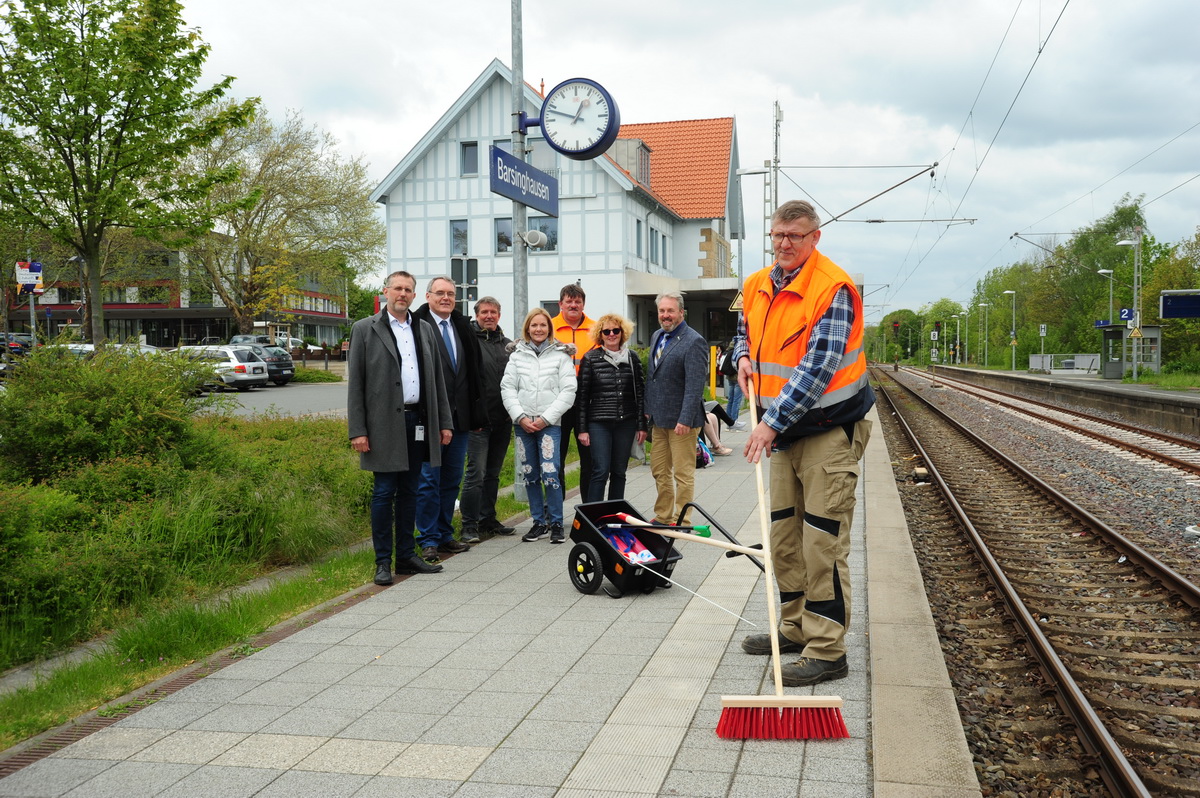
x=673, y=466
x=813, y=485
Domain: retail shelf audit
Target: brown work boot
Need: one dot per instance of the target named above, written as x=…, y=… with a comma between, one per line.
x=807, y=671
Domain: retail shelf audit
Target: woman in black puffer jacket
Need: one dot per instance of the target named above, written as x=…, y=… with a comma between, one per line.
x=611, y=397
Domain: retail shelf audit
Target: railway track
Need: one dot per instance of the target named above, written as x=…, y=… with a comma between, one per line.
x=1171, y=450
x=1104, y=627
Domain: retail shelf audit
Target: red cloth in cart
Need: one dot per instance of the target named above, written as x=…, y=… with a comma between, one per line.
x=627, y=544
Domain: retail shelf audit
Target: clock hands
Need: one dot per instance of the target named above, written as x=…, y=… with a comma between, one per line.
x=579, y=111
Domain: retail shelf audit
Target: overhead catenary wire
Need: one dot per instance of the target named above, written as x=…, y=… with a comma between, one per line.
x=902, y=279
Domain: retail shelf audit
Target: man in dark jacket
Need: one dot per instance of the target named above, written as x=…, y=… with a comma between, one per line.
x=487, y=447
x=461, y=367
x=398, y=413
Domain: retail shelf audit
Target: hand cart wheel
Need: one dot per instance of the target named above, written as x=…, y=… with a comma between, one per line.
x=585, y=568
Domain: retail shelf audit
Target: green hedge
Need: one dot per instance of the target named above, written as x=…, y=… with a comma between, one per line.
x=116, y=495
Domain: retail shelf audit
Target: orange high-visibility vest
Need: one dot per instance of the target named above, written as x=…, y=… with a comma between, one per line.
x=581, y=336
x=778, y=327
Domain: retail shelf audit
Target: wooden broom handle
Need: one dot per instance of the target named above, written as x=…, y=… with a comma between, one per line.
x=768, y=563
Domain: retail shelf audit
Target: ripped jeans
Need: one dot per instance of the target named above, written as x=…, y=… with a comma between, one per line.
x=538, y=454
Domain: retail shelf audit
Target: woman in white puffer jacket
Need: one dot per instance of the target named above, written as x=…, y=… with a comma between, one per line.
x=537, y=388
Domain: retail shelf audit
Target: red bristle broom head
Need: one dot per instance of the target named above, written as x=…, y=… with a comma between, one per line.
x=781, y=718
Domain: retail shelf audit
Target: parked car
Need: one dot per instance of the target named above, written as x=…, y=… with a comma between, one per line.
x=235, y=366
x=18, y=343
x=297, y=343
x=280, y=367
x=261, y=340
x=83, y=350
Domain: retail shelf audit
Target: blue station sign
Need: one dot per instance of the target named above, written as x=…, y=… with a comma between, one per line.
x=517, y=180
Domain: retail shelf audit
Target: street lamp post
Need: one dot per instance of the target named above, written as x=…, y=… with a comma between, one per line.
x=1136, y=243
x=984, y=305
x=967, y=337
x=1013, y=331
x=1108, y=273
x=957, y=339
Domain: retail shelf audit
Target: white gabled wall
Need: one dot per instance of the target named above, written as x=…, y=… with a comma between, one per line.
x=595, y=238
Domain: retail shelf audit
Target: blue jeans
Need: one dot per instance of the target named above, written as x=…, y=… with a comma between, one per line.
x=540, y=472
x=612, y=442
x=486, y=453
x=394, y=503
x=734, y=392
x=437, y=492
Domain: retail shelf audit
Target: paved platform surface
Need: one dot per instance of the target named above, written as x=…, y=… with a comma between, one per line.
x=498, y=678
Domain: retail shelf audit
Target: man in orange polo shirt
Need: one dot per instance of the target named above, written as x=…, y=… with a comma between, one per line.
x=572, y=326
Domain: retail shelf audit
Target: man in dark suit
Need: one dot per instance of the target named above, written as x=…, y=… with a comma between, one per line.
x=675, y=406
x=462, y=370
x=396, y=404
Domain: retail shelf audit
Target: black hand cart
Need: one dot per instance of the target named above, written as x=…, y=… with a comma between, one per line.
x=594, y=556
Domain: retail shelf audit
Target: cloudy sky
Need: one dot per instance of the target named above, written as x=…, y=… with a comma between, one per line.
x=1041, y=114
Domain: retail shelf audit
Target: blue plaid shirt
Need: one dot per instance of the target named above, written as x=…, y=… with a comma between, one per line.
x=826, y=346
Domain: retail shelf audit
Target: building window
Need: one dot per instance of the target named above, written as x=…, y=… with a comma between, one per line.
x=458, y=236
x=542, y=157
x=470, y=158
x=653, y=245
x=549, y=226
x=665, y=262
x=503, y=144
x=504, y=237
x=638, y=244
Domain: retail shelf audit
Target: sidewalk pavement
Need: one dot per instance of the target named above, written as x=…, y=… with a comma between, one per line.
x=496, y=678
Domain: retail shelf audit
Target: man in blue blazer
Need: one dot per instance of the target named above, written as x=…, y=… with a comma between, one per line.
x=675, y=406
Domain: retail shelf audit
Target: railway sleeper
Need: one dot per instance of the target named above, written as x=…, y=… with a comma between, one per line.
x=1170, y=785
x=1148, y=742
x=1164, y=682
x=1113, y=653
x=1126, y=706
x=1131, y=634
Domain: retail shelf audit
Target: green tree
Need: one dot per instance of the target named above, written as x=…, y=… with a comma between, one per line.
x=310, y=220
x=362, y=301
x=102, y=108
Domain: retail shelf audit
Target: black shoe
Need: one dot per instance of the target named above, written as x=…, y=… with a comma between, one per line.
x=556, y=533
x=383, y=574
x=469, y=536
x=498, y=528
x=806, y=671
x=761, y=644
x=538, y=532
x=452, y=546
x=415, y=565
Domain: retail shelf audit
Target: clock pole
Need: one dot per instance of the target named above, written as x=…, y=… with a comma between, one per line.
x=520, y=251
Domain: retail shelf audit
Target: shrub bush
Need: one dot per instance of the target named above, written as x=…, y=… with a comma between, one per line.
x=315, y=375
x=60, y=411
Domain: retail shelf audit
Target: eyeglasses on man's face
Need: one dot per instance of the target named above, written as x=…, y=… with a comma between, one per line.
x=611, y=332
x=794, y=238
x=442, y=294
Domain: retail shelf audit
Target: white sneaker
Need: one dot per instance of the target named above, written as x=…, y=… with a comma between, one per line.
x=738, y=425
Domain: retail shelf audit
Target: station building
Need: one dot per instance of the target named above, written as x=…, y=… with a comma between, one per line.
x=657, y=212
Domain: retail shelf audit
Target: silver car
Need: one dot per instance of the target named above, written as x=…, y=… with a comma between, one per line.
x=236, y=366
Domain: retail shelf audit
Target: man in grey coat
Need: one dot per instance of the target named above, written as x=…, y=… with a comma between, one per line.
x=397, y=407
x=675, y=406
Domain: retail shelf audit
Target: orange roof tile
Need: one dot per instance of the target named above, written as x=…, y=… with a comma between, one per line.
x=689, y=163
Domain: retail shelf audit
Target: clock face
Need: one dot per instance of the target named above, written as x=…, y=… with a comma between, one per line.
x=580, y=119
